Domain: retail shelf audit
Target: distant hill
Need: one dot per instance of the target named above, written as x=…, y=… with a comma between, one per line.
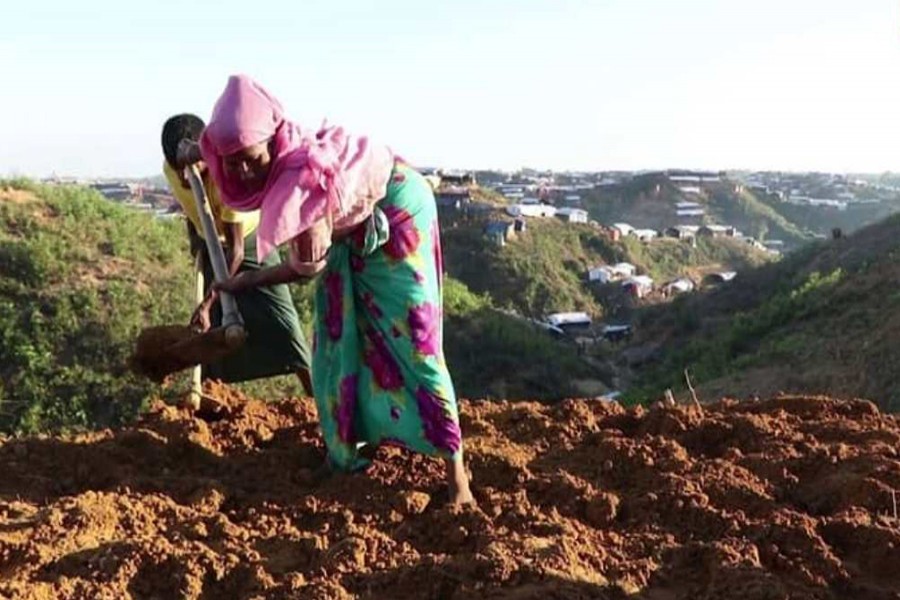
x=668, y=258
x=825, y=319
x=649, y=201
x=822, y=220
x=540, y=272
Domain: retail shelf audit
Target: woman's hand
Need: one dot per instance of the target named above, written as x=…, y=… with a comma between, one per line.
x=313, y=244
x=309, y=269
x=309, y=250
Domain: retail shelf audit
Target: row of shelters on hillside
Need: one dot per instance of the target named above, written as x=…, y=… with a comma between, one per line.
x=640, y=286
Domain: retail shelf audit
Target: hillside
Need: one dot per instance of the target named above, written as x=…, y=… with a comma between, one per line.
x=751, y=215
x=538, y=273
x=493, y=355
x=784, y=499
x=823, y=220
x=79, y=276
x=649, y=201
x=667, y=258
x=861, y=200
x=825, y=319
x=543, y=270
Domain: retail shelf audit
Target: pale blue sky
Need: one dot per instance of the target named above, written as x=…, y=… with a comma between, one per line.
x=582, y=84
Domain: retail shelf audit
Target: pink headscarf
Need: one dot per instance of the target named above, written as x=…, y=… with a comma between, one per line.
x=312, y=172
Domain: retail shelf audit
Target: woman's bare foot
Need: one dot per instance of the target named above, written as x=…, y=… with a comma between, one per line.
x=458, y=483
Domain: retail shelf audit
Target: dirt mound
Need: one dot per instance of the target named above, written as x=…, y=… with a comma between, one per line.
x=787, y=498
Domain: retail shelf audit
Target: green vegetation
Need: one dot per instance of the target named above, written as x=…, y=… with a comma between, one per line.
x=667, y=259
x=492, y=354
x=460, y=301
x=543, y=270
x=488, y=196
x=756, y=218
x=822, y=220
x=647, y=200
x=825, y=319
x=537, y=273
x=79, y=277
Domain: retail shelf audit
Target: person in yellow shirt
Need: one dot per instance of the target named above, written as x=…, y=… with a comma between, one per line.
x=275, y=343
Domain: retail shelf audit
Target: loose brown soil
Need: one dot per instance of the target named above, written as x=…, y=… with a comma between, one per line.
x=786, y=498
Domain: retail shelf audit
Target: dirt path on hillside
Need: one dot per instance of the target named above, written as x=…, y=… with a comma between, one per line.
x=786, y=498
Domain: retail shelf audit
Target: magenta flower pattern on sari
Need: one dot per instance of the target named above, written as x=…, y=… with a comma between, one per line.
x=369, y=302
x=346, y=409
x=396, y=304
x=334, y=305
x=383, y=364
x=404, y=235
x=358, y=236
x=440, y=430
x=436, y=250
x=425, y=328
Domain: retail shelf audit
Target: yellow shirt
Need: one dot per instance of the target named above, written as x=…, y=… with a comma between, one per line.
x=221, y=213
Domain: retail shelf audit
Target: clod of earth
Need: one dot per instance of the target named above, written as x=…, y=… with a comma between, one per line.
x=785, y=498
x=166, y=349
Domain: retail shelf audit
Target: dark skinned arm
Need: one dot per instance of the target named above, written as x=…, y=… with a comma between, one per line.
x=309, y=255
x=283, y=273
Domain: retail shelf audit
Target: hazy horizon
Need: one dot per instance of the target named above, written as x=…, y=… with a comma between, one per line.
x=563, y=85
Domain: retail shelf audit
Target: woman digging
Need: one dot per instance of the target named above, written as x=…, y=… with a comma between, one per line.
x=275, y=345
x=364, y=224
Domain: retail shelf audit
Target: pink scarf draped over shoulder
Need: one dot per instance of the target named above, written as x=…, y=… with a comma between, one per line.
x=313, y=173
